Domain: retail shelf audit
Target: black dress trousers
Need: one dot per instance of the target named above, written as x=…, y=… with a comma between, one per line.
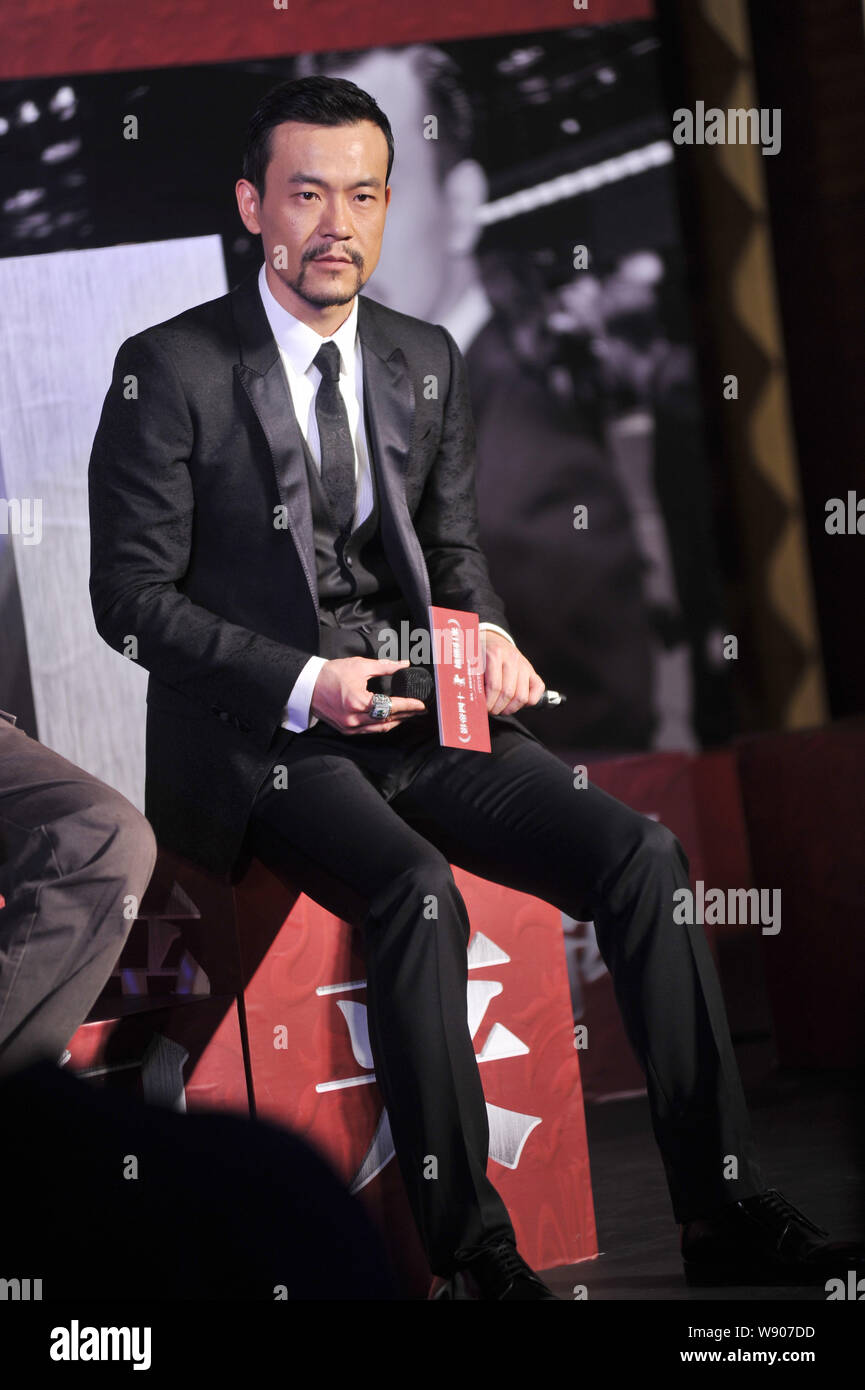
x=369, y=825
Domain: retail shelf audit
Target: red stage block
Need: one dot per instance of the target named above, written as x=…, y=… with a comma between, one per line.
x=262, y=966
x=167, y=1025
x=185, y=1054
x=312, y=1069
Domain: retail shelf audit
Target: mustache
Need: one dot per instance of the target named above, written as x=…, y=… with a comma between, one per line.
x=353, y=256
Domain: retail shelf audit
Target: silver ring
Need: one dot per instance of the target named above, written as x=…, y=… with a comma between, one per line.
x=380, y=707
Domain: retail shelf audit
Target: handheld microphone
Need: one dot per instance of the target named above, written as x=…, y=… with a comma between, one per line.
x=416, y=683
x=413, y=683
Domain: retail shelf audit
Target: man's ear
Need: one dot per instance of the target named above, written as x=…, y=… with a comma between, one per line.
x=247, y=205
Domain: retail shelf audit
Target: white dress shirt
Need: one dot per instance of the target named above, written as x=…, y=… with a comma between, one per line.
x=298, y=345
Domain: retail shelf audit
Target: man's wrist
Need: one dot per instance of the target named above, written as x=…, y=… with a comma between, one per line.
x=494, y=627
x=297, y=715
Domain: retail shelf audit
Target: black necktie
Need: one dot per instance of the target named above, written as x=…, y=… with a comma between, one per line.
x=337, y=450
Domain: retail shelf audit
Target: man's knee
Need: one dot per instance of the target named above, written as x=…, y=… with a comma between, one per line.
x=135, y=845
x=433, y=882
x=425, y=872
x=111, y=832
x=424, y=885
x=659, y=846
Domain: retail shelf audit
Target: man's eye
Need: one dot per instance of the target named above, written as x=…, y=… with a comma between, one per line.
x=309, y=193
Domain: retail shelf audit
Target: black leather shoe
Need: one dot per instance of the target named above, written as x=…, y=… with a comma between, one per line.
x=764, y=1240
x=494, y=1271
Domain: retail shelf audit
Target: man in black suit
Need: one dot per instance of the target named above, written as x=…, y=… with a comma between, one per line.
x=280, y=477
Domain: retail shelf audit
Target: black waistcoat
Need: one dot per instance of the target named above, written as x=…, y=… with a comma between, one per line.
x=357, y=590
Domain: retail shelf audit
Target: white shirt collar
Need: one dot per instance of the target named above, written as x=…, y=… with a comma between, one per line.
x=298, y=341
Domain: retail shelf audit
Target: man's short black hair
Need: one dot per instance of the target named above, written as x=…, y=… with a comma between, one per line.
x=446, y=95
x=315, y=100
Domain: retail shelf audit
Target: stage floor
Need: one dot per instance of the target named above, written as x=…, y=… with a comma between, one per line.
x=810, y=1131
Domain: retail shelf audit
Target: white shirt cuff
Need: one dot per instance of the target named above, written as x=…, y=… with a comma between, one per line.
x=296, y=715
x=493, y=627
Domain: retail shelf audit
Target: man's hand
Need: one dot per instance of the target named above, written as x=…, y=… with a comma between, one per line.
x=341, y=699
x=510, y=680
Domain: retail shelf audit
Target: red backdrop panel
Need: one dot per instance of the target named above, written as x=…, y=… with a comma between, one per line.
x=41, y=37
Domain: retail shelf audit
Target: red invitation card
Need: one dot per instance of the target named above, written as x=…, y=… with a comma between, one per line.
x=461, y=701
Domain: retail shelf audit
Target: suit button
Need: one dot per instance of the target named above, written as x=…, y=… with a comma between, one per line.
x=224, y=716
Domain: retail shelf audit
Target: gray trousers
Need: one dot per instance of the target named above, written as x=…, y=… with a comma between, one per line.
x=74, y=854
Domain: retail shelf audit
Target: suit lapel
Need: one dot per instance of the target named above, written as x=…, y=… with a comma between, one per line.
x=389, y=404
x=389, y=401
x=262, y=378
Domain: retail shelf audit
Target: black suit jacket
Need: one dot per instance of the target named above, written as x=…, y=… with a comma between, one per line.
x=202, y=552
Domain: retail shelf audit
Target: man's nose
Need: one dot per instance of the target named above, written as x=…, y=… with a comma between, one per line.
x=335, y=220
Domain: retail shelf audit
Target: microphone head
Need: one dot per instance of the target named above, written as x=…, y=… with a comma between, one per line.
x=413, y=683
